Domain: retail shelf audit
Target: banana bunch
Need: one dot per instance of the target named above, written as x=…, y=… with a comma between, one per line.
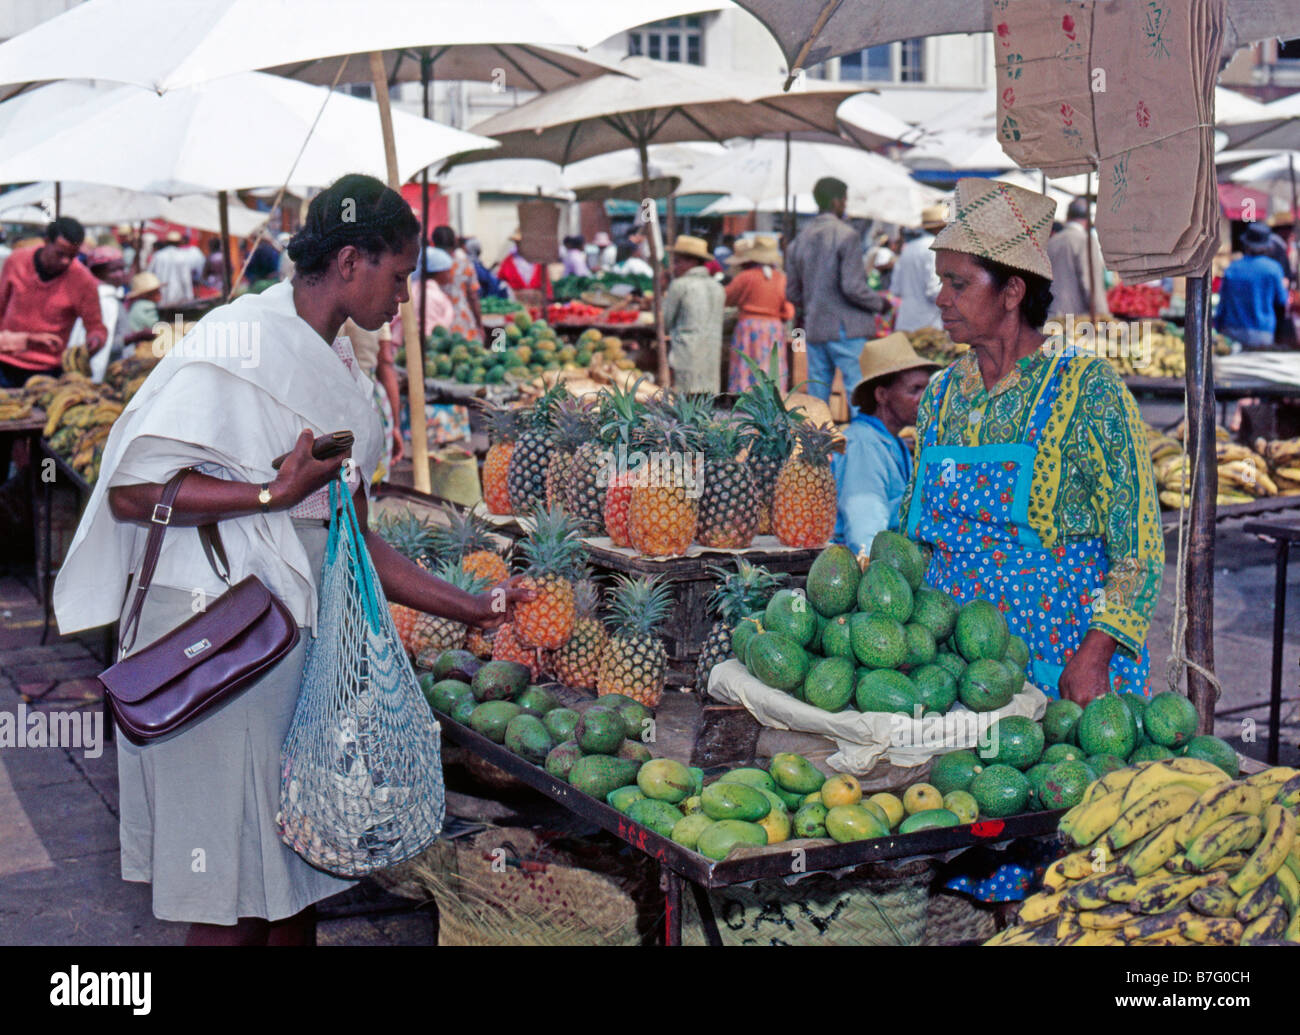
x=14, y=405
x=934, y=344
x=88, y=450
x=1244, y=474
x=76, y=360
x=1173, y=853
x=73, y=393
x=1283, y=458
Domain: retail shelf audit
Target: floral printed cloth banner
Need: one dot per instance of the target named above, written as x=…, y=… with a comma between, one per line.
x=1125, y=87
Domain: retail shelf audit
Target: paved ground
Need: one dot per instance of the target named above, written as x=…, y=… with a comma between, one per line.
x=59, y=880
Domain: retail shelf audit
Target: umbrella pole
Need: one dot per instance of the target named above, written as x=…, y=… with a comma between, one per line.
x=426, y=75
x=1092, y=273
x=410, y=333
x=58, y=199
x=223, y=215
x=787, y=230
x=644, y=148
x=1290, y=168
x=1199, y=640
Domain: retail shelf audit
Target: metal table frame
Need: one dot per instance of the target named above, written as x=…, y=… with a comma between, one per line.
x=1283, y=534
x=678, y=864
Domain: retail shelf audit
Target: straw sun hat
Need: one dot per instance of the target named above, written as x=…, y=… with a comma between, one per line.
x=758, y=249
x=1001, y=222
x=934, y=217
x=142, y=284
x=695, y=247
x=890, y=355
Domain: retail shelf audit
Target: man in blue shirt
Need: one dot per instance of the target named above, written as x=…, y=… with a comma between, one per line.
x=871, y=474
x=1251, y=288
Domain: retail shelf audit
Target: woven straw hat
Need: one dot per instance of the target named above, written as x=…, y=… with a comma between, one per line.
x=934, y=217
x=142, y=284
x=892, y=354
x=695, y=247
x=1002, y=222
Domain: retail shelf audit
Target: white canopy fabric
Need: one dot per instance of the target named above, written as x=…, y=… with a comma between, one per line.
x=96, y=205
x=524, y=176
x=660, y=102
x=623, y=168
x=194, y=41
x=204, y=138
x=811, y=31
x=755, y=171
x=1275, y=126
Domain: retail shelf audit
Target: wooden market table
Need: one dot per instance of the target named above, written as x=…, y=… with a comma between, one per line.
x=1227, y=389
x=1283, y=534
x=1235, y=511
x=679, y=865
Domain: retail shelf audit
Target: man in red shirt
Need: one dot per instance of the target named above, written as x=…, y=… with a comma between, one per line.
x=42, y=292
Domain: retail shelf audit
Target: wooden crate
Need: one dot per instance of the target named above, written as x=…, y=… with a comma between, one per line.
x=690, y=620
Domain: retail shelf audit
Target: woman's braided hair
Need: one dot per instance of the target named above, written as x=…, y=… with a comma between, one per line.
x=355, y=210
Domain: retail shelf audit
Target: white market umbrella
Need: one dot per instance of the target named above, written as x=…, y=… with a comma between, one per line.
x=167, y=44
x=612, y=174
x=1275, y=125
x=96, y=205
x=523, y=176
x=878, y=188
x=812, y=31
x=245, y=130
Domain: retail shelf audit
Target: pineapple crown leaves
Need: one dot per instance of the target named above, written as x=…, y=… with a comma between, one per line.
x=764, y=417
x=743, y=591
x=694, y=409
x=464, y=533
x=451, y=571
x=409, y=535
x=553, y=546
x=504, y=423
x=619, y=412
x=638, y=606
x=663, y=432
x=586, y=595
x=542, y=415
x=574, y=421
x=722, y=440
x=816, y=443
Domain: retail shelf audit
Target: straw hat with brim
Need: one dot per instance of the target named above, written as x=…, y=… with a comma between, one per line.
x=174, y=237
x=1000, y=222
x=879, y=359
x=142, y=284
x=764, y=250
x=1281, y=219
x=934, y=217
x=695, y=247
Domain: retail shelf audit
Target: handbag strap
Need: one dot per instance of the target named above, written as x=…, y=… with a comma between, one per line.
x=209, y=536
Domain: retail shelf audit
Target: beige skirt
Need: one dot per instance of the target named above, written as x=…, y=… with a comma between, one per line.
x=198, y=807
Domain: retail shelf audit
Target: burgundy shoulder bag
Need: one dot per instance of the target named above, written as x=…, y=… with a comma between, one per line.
x=215, y=655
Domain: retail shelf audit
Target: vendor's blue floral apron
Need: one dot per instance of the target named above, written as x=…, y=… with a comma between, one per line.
x=972, y=505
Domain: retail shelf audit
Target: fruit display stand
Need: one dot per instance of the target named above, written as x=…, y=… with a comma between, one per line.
x=25, y=429
x=1283, y=534
x=747, y=862
x=687, y=628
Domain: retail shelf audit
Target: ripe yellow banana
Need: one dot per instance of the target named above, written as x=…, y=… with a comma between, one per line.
x=1229, y=863
x=1159, y=926
x=1236, y=833
x=1040, y=907
x=1273, y=778
x=1150, y=853
x=1217, y=803
x=1126, y=890
x=1216, y=900
x=1271, y=924
x=1076, y=865
x=1147, y=814
x=1252, y=904
x=1271, y=852
x=1210, y=930
x=1161, y=774
x=1090, y=893
x=1164, y=895
x=1095, y=819
x=1108, y=918
x=1289, y=793
x=1288, y=888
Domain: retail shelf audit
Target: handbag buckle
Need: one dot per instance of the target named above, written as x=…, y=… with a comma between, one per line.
x=162, y=515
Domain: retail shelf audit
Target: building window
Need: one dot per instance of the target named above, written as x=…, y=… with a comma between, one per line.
x=887, y=63
x=672, y=39
x=1288, y=50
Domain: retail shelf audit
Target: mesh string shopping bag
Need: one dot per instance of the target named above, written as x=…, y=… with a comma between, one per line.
x=361, y=769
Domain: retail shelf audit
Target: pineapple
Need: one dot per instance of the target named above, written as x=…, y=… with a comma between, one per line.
x=738, y=593
x=729, y=504
x=479, y=642
x=769, y=428
x=662, y=511
x=634, y=661
x=594, y=460
x=413, y=539
x=575, y=423
x=467, y=541
x=553, y=557
x=621, y=415
x=526, y=479
x=577, y=663
x=503, y=432
x=804, y=500
x=506, y=647
x=434, y=634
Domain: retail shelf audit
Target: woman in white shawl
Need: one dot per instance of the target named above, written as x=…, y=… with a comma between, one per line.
x=254, y=379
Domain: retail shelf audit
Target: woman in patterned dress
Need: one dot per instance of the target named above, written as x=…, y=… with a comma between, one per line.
x=1033, y=482
x=463, y=288
x=758, y=291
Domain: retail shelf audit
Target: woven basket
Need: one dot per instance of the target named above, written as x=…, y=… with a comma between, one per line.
x=953, y=919
x=877, y=905
x=483, y=898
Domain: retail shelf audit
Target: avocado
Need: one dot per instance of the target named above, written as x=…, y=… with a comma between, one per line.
x=560, y=722
x=537, y=699
x=463, y=709
x=634, y=750
x=597, y=775
x=527, y=738
x=499, y=680
x=456, y=664
x=444, y=694
x=659, y=816
x=561, y=759
x=621, y=798
x=634, y=714
x=600, y=731
x=492, y=717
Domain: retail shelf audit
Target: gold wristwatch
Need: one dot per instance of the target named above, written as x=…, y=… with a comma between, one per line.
x=264, y=497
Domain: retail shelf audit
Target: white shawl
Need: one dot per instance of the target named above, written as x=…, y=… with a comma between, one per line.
x=232, y=395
